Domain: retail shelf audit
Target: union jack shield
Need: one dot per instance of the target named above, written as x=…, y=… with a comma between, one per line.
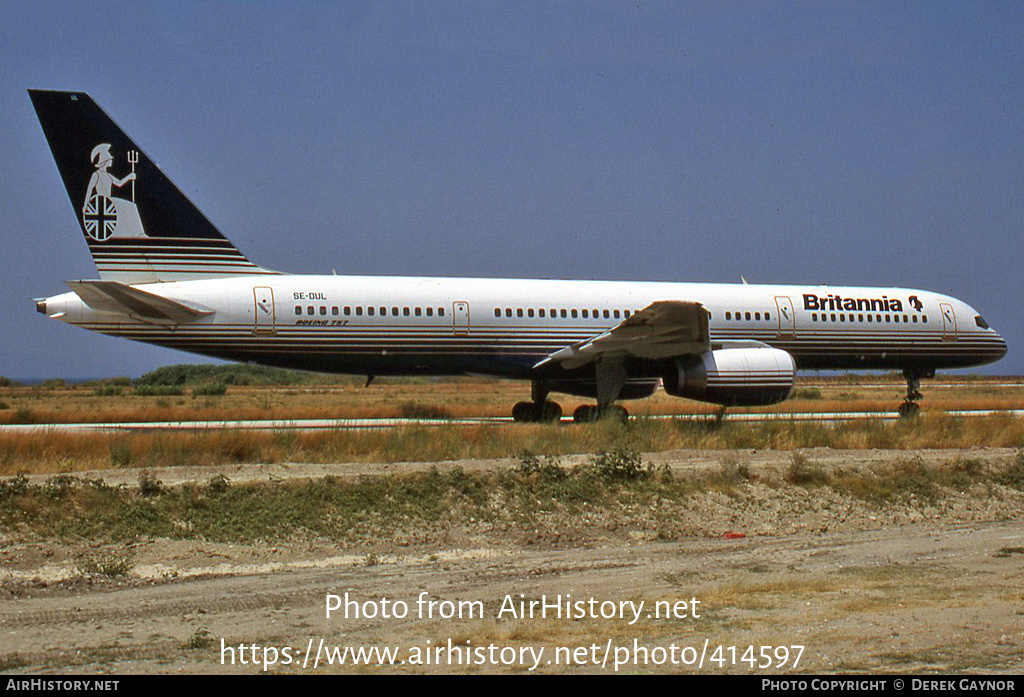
x=99, y=217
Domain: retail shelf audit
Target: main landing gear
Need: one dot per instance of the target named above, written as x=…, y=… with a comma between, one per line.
x=540, y=410
x=610, y=376
x=910, y=406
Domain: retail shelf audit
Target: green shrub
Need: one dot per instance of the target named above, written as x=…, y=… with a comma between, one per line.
x=621, y=465
x=550, y=469
x=210, y=389
x=108, y=391
x=806, y=393
x=1013, y=476
x=803, y=472
x=158, y=391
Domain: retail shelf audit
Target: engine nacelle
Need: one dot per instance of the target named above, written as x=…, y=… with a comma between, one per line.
x=733, y=376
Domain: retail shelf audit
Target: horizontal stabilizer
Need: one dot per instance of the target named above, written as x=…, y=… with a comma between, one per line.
x=114, y=296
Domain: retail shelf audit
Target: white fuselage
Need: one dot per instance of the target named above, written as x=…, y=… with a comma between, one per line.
x=503, y=327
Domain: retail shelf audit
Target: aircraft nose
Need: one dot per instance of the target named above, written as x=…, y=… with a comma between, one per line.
x=1000, y=345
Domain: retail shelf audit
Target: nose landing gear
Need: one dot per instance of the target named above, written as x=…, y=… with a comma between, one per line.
x=910, y=407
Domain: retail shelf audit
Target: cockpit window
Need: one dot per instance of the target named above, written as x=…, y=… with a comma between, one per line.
x=980, y=321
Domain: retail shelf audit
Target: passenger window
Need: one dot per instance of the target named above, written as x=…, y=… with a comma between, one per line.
x=564, y=314
x=519, y=312
x=430, y=312
x=370, y=310
x=394, y=312
x=497, y=312
x=309, y=310
x=728, y=315
x=440, y=312
x=323, y=309
x=334, y=310
x=347, y=310
x=418, y=311
x=298, y=309
x=541, y=312
x=757, y=315
x=616, y=313
x=575, y=314
x=359, y=310
x=585, y=316
x=529, y=312
x=405, y=311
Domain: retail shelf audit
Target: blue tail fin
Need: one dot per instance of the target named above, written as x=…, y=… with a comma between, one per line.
x=139, y=226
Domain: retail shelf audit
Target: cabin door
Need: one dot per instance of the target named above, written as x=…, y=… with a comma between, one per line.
x=460, y=317
x=264, y=310
x=787, y=318
x=948, y=322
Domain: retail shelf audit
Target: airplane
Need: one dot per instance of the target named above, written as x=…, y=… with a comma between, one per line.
x=168, y=276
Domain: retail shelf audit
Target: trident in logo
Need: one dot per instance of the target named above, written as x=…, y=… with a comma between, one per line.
x=133, y=158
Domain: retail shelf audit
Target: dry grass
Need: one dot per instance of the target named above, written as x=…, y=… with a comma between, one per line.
x=52, y=452
x=459, y=397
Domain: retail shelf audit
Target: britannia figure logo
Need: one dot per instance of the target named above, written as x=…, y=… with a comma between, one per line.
x=103, y=214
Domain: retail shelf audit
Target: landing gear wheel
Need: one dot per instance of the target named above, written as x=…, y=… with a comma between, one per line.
x=522, y=412
x=586, y=413
x=909, y=410
x=530, y=412
x=550, y=412
x=615, y=413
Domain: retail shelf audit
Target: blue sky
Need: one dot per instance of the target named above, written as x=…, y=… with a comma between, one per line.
x=790, y=142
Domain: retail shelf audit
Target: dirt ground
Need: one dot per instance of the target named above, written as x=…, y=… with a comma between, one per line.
x=778, y=580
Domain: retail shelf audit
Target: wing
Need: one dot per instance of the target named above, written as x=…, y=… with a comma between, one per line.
x=663, y=329
x=113, y=296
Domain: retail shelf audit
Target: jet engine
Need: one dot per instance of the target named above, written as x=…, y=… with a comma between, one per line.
x=754, y=376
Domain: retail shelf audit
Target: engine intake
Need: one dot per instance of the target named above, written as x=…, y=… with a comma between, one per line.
x=733, y=376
